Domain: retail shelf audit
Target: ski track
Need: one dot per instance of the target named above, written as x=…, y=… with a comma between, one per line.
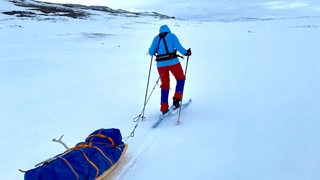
x=130, y=161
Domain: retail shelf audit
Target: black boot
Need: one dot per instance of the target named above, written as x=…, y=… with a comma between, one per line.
x=165, y=112
x=176, y=102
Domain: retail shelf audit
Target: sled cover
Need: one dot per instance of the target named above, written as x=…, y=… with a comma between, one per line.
x=89, y=160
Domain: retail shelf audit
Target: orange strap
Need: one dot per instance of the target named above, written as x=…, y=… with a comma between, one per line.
x=95, y=166
x=101, y=136
x=89, y=145
x=103, y=154
x=71, y=168
x=112, y=142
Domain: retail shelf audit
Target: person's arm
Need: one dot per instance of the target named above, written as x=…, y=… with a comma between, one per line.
x=178, y=45
x=154, y=46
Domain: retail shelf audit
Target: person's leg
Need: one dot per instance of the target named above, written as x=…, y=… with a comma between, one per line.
x=165, y=86
x=177, y=72
x=164, y=100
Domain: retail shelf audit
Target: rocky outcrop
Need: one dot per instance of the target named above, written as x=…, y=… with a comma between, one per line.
x=44, y=9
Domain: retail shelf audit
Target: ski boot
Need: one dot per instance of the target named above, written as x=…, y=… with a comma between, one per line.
x=176, y=103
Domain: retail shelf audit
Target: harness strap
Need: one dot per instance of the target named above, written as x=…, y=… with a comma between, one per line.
x=164, y=57
x=167, y=56
x=162, y=36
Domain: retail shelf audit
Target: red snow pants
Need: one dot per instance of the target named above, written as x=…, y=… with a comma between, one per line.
x=177, y=72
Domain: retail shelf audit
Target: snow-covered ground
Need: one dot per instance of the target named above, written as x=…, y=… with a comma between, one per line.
x=254, y=84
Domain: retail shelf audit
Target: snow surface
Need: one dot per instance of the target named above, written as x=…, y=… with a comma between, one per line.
x=254, y=84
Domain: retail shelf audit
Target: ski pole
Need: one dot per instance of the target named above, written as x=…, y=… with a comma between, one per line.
x=152, y=90
x=147, y=89
x=146, y=102
x=185, y=74
x=137, y=119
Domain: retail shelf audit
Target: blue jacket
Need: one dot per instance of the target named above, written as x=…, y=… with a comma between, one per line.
x=172, y=43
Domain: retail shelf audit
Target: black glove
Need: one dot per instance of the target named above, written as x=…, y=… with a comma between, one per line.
x=188, y=52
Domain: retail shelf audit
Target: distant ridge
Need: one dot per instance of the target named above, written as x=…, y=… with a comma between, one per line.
x=44, y=9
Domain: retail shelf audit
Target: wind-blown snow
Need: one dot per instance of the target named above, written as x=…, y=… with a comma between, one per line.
x=254, y=84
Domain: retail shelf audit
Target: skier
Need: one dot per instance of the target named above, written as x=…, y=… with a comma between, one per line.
x=165, y=46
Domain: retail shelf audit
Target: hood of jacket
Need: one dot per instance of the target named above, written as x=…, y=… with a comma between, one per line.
x=164, y=28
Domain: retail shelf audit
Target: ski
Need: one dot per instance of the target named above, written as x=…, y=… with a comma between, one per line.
x=172, y=111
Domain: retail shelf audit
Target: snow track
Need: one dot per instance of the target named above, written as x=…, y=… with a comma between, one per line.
x=144, y=143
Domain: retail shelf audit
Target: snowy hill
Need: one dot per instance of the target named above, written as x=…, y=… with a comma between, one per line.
x=38, y=9
x=254, y=84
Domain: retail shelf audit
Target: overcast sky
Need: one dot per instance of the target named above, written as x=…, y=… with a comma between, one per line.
x=209, y=8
